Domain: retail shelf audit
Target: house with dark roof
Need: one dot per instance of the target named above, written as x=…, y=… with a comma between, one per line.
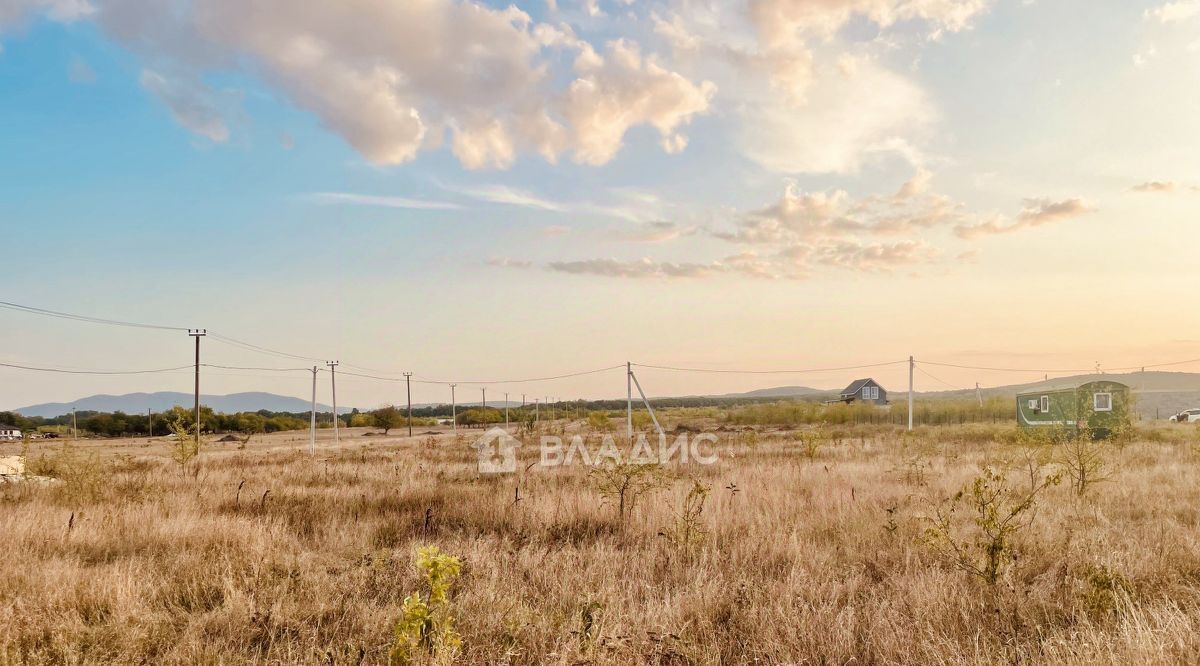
x=864, y=390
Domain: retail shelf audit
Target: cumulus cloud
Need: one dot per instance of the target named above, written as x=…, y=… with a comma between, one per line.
x=1037, y=212
x=1155, y=186
x=622, y=89
x=192, y=104
x=853, y=111
x=392, y=78
x=782, y=22
x=1171, y=12
x=807, y=216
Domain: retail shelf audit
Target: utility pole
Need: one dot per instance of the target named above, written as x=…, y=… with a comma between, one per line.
x=522, y=401
x=197, y=333
x=979, y=394
x=74, y=425
x=536, y=415
x=629, y=399
x=453, y=409
x=408, y=390
x=333, y=385
x=506, y=411
x=312, y=421
x=150, y=421
x=911, y=366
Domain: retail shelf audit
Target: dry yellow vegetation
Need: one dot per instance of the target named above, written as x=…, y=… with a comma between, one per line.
x=785, y=552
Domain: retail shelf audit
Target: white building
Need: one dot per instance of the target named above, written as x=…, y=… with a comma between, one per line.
x=9, y=433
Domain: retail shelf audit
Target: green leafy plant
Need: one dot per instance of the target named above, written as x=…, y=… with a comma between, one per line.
x=186, y=445
x=983, y=547
x=624, y=483
x=599, y=422
x=427, y=625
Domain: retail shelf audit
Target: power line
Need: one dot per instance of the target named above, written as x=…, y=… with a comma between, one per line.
x=1032, y=370
x=528, y=380
x=767, y=372
x=265, y=350
x=93, y=372
x=242, y=367
x=936, y=379
x=28, y=309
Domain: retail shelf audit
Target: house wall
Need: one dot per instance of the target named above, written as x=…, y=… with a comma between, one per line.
x=1073, y=408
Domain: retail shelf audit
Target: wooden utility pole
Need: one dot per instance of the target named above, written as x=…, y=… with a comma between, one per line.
x=408, y=390
x=911, y=366
x=197, y=333
x=312, y=422
x=453, y=409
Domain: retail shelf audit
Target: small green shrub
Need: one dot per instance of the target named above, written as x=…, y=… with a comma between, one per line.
x=984, y=546
x=427, y=626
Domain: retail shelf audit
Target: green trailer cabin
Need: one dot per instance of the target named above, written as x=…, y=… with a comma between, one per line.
x=1098, y=405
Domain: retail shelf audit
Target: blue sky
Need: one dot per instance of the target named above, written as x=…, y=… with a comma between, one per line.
x=763, y=183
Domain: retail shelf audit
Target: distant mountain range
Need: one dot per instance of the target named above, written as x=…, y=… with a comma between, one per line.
x=138, y=403
x=1159, y=394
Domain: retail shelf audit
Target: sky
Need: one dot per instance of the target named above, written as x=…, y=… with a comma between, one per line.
x=485, y=192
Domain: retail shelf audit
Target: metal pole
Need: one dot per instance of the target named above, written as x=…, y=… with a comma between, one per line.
x=506, y=411
x=453, y=409
x=536, y=414
x=333, y=386
x=312, y=421
x=150, y=421
x=408, y=390
x=74, y=425
x=629, y=399
x=979, y=394
x=197, y=333
x=484, y=399
x=911, y=365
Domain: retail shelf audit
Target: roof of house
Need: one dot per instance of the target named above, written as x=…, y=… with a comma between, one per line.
x=1068, y=386
x=857, y=385
x=8, y=427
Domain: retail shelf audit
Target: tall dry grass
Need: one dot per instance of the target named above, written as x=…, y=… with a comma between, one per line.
x=266, y=556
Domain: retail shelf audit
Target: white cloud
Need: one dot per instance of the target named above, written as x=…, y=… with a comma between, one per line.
x=1171, y=12
x=640, y=268
x=1155, y=186
x=851, y=113
x=192, y=103
x=392, y=78
x=622, y=89
x=502, y=194
x=1037, y=212
x=783, y=22
x=355, y=199
x=13, y=11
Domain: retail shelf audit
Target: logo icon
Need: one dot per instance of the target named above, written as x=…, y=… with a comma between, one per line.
x=496, y=452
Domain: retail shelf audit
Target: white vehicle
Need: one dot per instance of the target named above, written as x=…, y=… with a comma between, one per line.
x=1186, y=416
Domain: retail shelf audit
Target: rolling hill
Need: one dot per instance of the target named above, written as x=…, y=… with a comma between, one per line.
x=138, y=403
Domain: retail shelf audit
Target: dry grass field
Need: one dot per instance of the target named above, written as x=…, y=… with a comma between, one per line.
x=808, y=549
